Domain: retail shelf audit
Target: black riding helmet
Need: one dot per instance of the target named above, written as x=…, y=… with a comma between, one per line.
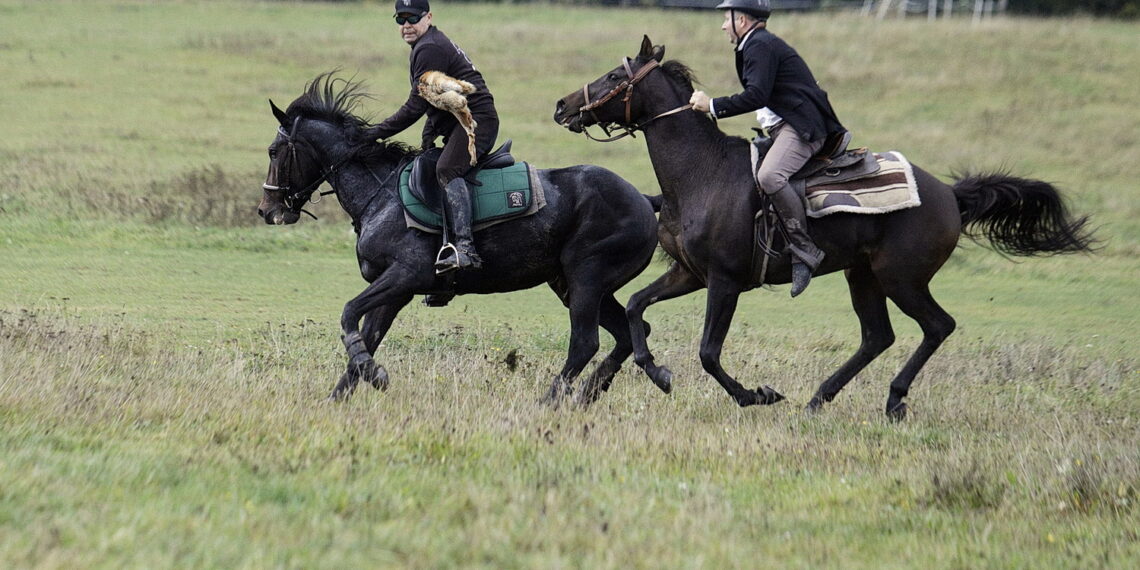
x=759, y=9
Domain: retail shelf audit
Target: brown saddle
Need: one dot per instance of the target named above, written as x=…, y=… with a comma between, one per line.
x=834, y=163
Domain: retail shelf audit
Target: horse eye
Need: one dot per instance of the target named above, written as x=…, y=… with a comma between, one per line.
x=272, y=153
x=612, y=77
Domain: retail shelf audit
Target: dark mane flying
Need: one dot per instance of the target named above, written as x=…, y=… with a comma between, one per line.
x=334, y=100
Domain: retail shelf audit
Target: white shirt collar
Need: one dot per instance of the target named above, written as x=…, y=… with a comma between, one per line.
x=740, y=44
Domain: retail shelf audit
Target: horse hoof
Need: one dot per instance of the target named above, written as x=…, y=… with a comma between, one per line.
x=378, y=377
x=897, y=413
x=814, y=406
x=663, y=378
x=558, y=392
x=343, y=390
x=766, y=396
x=586, y=398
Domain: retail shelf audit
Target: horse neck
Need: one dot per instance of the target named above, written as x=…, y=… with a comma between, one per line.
x=356, y=184
x=359, y=187
x=684, y=148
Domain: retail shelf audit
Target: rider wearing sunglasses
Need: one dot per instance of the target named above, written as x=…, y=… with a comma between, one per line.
x=434, y=51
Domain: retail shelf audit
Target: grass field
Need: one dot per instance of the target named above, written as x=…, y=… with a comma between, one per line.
x=164, y=354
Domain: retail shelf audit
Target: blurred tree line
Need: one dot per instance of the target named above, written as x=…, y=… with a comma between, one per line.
x=1112, y=8
x=1129, y=9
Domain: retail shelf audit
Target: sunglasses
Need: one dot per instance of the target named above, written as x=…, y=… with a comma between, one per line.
x=413, y=20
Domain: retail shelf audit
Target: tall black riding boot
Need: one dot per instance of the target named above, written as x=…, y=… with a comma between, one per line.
x=806, y=256
x=461, y=254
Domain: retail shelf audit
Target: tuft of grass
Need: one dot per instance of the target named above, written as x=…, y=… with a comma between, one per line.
x=965, y=486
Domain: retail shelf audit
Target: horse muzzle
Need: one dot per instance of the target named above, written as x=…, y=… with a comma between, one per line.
x=277, y=215
x=573, y=122
x=566, y=118
x=282, y=217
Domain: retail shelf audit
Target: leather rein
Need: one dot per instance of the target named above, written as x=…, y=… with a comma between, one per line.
x=631, y=81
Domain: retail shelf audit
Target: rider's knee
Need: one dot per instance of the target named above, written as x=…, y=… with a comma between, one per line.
x=771, y=182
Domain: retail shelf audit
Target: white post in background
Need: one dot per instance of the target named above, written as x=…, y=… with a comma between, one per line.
x=883, y=7
x=947, y=7
x=931, y=10
x=978, y=11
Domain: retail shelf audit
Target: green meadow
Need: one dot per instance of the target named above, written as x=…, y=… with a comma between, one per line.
x=164, y=354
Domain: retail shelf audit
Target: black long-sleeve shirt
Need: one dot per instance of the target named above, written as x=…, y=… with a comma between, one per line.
x=434, y=51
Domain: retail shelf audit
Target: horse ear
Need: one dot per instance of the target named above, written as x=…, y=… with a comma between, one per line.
x=650, y=51
x=646, y=48
x=281, y=116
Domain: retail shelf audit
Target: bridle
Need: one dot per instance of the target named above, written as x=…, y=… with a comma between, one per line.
x=327, y=174
x=627, y=85
x=303, y=195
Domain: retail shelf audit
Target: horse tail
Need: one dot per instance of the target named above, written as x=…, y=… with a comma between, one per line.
x=655, y=201
x=1020, y=216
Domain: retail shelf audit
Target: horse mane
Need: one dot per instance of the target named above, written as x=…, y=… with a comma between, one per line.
x=334, y=100
x=682, y=77
x=680, y=73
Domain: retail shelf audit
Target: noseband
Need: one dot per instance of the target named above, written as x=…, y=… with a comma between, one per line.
x=631, y=81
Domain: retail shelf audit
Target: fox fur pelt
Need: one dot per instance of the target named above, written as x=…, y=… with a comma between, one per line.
x=449, y=94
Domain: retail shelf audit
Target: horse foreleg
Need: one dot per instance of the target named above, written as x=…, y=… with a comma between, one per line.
x=674, y=283
x=877, y=335
x=378, y=306
x=936, y=325
x=719, y=310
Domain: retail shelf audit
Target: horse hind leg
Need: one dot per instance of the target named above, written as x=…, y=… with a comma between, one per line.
x=936, y=325
x=870, y=304
x=613, y=319
x=585, y=309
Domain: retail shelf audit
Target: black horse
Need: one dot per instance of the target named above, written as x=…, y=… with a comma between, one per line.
x=595, y=233
x=710, y=200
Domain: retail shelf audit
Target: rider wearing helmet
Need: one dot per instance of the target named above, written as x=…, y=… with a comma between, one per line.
x=793, y=108
x=433, y=51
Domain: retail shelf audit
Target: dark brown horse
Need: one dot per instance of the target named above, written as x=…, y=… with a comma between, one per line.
x=706, y=225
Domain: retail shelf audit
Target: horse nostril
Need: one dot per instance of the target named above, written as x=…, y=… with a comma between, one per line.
x=560, y=106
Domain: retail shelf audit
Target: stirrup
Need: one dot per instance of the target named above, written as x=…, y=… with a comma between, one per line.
x=441, y=265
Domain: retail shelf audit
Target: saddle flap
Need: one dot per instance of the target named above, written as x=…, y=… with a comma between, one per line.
x=498, y=158
x=817, y=165
x=422, y=182
x=853, y=165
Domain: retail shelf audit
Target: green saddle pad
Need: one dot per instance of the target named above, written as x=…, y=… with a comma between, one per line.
x=503, y=193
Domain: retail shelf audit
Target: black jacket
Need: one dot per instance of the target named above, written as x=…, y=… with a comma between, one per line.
x=436, y=52
x=775, y=76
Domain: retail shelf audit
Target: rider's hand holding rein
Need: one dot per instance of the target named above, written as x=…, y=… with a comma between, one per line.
x=700, y=101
